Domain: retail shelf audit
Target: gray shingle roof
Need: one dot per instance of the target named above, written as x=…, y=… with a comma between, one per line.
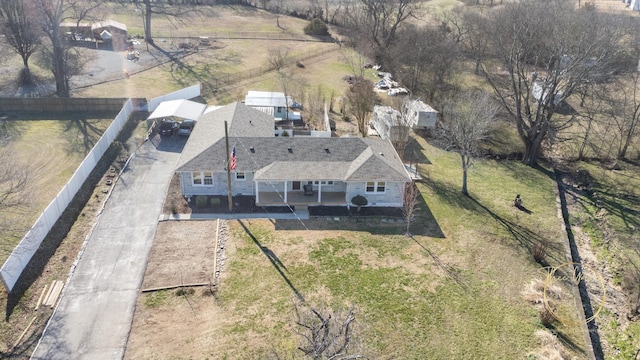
x=251, y=132
x=348, y=159
x=241, y=120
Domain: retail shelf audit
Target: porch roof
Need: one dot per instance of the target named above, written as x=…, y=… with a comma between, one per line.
x=303, y=170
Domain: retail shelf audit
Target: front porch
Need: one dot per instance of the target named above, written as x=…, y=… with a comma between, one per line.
x=295, y=197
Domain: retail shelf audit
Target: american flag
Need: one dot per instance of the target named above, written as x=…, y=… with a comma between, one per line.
x=232, y=162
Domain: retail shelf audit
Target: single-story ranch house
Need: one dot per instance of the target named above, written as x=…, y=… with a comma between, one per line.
x=287, y=170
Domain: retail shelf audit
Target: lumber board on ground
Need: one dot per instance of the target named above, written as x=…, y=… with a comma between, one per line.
x=169, y=287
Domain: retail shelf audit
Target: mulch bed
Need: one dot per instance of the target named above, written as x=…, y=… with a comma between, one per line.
x=243, y=204
x=353, y=211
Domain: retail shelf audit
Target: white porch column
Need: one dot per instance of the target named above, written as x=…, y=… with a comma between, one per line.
x=319, y=191
x=347, y=187
x=257, y=193
x=285, y=191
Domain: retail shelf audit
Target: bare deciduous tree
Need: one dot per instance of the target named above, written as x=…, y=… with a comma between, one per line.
x=547, y=50
x=626, y=119
x=467, y=120
x=410, y=205
x=14, y=189
x=332, y=9
x=467, y=30
x=315, y=106
x=18, y=24
x=378, y=21
x=13, y=180
x=325, y=336
x=428, y=61
x=361, y=98
x=592, y=105
x=61, y=58
x=355, y=61
x=52, y=13
x=401, y=125
x=278, y=57
x=172, y=10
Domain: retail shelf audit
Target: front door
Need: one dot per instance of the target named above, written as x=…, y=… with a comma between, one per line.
x=295, y=185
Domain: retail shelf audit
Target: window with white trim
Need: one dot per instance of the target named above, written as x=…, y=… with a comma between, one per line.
x=208, y=178
x=374, y=187
x=196, y=177
x=201, y=178
x=240, y=176
x=323, y=182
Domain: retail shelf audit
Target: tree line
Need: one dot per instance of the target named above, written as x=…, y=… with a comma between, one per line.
x=550, y=65
x=534, y=58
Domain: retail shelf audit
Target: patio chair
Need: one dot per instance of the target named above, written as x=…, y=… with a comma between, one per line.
x=308, y=190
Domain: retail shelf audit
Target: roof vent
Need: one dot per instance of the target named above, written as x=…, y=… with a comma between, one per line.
x=327, y=150
x=290, y=150
x=252, y=149
x=381, y=154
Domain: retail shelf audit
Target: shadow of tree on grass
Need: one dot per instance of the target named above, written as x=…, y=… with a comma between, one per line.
x=275, y=261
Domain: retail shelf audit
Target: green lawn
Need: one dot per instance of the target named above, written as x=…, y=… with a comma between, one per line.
x=453, y=291
x=51, y=150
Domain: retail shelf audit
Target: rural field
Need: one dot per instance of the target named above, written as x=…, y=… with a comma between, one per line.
x=468, y=284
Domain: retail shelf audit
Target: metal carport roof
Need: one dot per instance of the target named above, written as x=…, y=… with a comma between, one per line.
x=185, y=109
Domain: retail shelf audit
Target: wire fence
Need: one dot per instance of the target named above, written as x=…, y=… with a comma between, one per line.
x=238, y=35
x=229, y=79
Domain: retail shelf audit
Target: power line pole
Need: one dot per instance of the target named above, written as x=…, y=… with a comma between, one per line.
x=226, y=139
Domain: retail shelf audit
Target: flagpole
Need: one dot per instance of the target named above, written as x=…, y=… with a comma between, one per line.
x=226, y=139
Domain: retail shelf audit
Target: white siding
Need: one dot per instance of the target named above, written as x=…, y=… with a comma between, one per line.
x=242, y=187
x=393, y=195
x=219, y=186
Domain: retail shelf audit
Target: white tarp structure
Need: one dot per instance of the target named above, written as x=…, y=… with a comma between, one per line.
x=265, y=98
x=541, y=91
x=425, y=116
x=383, y=119
x=388, y=122
x=185, y=109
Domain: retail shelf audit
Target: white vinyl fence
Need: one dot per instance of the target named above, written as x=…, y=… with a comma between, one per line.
x=186, y=94
x=24, y=251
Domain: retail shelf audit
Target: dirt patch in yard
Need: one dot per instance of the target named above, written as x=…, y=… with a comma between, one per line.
x=182, y=254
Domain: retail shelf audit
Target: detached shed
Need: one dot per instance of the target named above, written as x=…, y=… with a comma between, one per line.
x=113, y=31
x=425, y=116
x=272, y=103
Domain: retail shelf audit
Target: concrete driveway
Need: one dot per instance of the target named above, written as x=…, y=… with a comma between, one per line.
x=93, y=317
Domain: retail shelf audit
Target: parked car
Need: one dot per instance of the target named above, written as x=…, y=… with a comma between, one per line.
x=168, y=127
x=186, y=127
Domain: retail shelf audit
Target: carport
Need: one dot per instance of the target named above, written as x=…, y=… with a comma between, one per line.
x=177, y=110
